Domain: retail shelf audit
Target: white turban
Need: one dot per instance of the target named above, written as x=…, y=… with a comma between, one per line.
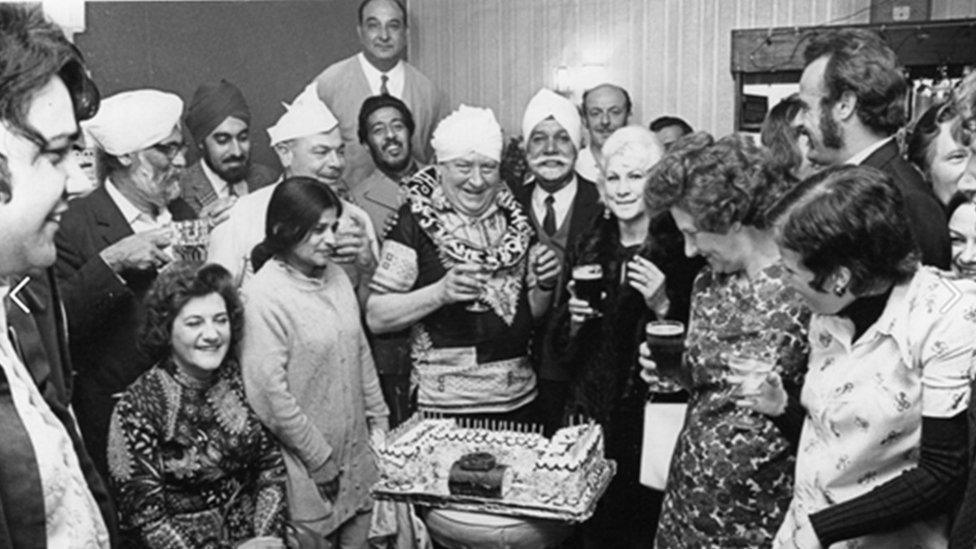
x=307, y=115
x=548, y=103
x=134, y=120
x=467, y=130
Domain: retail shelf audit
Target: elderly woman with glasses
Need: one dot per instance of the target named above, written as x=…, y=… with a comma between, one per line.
x=935, y=145
x=732, y=470
x=190, y=461
x=882, y=449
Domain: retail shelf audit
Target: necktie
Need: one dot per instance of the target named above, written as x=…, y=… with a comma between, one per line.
x=383, y=89
x=549, y=222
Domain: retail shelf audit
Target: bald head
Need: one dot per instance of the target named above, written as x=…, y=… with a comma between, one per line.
x=606, y=108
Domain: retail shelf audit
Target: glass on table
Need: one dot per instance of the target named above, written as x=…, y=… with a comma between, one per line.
x=190, y=239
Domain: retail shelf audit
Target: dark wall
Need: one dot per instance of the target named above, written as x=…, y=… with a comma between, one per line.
x=269, y=49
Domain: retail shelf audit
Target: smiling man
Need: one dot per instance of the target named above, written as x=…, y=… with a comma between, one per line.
x=852, y=97
x=111, y=245
x=220, y=122
x=308, y=143
x=561, y=205
x=50, y=495
x=379, y=69
x=606, y=108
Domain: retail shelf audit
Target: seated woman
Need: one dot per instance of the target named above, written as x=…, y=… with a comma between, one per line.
x=934, y=147
x=787, y=147
x=191, y=464
x=732, y=472
x=458, y=269
x=882, y=452
x=962, y=235
x=307, y=366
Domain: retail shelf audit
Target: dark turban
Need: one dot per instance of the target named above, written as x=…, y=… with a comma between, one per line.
x=211, y=105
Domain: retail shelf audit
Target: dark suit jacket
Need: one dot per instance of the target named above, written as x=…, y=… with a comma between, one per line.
x=923, y=211
x=586, y=207
x=196, y=190
x=103, y=311
x=41, y=340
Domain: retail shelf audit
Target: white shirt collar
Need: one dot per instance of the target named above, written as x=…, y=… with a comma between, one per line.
x=133, y=215
x=562, y=201
x=396, y=75
x=867, y=151
x=219, y=184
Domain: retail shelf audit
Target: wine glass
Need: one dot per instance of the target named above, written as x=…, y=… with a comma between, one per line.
x=748, y=373
x=190, y=239
x=478, y=305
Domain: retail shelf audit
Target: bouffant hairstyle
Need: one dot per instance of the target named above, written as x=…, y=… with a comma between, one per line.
x=174, y=287
x=780, y=137
x=296, y=206
x=852, y=217
x=861, y=63
x=922, y=135
x=634, y=142
x=719, y=183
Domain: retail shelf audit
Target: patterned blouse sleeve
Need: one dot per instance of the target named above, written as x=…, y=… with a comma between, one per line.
x=134, y=464
x=946, y=353
x=269, y=502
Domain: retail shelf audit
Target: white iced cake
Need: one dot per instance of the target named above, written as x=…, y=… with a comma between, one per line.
x=436, y=456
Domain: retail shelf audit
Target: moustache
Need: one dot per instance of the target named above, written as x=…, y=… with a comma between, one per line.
x=538, y=161
x=392, y=141
x=232, y=159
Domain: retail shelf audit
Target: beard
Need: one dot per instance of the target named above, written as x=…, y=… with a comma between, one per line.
x=831, y=134
x=233, y=173
x=387, y=163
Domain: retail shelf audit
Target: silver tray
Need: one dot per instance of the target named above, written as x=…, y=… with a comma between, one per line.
x=565, y=513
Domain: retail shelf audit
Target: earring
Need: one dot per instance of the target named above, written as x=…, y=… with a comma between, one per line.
x=839, y=290
x=606, y=212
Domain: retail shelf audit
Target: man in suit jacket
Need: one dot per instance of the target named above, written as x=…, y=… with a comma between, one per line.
x=219, y=121
x=50, y=495
x=561, y=205
x=851, y=95
x=111, y=244
x=380, y=69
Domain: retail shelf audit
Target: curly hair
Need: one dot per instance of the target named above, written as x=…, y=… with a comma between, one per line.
x=174, y=287
x=719, y=183
x=377, y=102
x=860, y=62
x=851, y=217
x=780, y=137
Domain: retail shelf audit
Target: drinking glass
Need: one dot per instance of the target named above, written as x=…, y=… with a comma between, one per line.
x=190, y=239
x=750, y=372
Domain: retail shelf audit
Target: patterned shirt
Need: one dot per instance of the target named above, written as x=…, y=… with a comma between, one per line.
x=191, y=463
x=865, y=400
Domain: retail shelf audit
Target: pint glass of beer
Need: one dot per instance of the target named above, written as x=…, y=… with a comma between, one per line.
x=588, y=280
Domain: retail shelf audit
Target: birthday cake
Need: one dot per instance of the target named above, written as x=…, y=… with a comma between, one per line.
x=500, y=463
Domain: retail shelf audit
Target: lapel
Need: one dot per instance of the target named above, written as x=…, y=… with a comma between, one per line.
x=109, y=224
x=586, y=205
x=381, y=190
x=523, y=193
x=197, y=190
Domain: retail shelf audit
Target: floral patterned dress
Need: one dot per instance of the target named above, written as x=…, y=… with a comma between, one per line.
x=729, y=486
x=191, y=464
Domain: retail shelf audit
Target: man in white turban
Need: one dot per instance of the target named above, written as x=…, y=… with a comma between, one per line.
x=561, y=205
x=459, y=270
x=111, y=244
x=308, y=143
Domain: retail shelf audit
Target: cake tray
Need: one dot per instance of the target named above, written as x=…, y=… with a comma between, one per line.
x=565, y=513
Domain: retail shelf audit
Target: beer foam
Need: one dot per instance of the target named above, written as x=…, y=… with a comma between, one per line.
x=664, y=329
x=588, y=271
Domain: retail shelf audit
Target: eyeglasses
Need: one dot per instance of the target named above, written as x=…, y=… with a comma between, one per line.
x=170, y=150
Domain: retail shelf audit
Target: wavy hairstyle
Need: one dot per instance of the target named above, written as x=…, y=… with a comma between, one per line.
x=852, y=217
x=779, y=136
x=922, y=134
x=860, y=62
x=174, y=287
x=296, y=206
x=719, y=183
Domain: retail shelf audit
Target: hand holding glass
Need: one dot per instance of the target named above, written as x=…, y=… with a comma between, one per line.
x=748, y=373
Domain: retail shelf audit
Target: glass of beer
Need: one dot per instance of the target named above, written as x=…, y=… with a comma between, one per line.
x=666, y=341
x=588, y=282
x=190, y=239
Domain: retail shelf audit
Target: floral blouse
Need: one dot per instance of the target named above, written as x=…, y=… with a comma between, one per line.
x=865, y=401
x=191, y=464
